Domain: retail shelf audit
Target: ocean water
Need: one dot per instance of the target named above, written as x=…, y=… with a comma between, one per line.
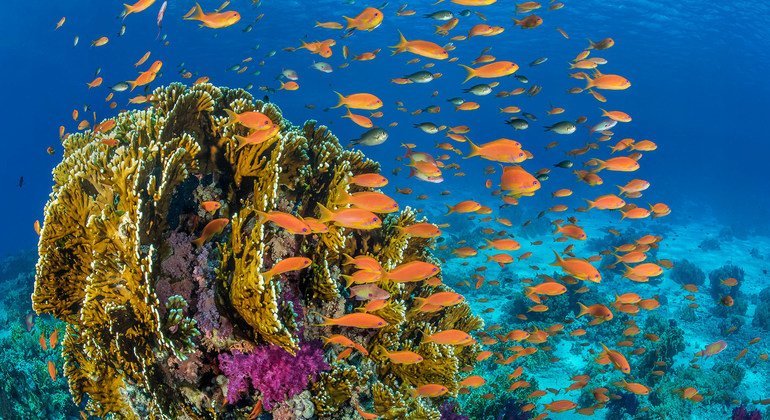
x=698, y=90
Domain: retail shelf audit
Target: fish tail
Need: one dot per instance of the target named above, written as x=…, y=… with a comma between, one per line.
x=419, y=303
x=401, y=46
x=341, y=100
x=590, y=204
x=198, y=242
x=450, y=210
x=232, y=117
x=517, y=21
x=583, y=309
x=591, y=44
x=131, y=83
x=622, y=190
x=558, y=261
x=475, y=150
x=127, y=10
x=327, y=322
x=348, y=281
x=282, y=85
x=623, y=215
x=195, y=13
x=601, y=165
x=326, y=214
x=349, y=22
x=262, y=215
x=589, y=82
x=471, y=73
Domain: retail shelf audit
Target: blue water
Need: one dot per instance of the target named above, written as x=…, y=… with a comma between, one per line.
x=697, y=68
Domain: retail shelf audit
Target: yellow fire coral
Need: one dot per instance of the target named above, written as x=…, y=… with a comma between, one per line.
x=120, y=194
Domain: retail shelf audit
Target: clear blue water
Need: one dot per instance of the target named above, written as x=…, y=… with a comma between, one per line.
x=697, y=68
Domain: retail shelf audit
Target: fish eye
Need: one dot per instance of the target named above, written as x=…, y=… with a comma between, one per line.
x=374, y=219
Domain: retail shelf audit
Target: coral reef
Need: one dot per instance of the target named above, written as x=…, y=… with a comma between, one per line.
x=157, y=327
x=685, y=272
x=27, y=390
x=762, y=312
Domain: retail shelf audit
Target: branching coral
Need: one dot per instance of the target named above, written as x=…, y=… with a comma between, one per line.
x=144, y=308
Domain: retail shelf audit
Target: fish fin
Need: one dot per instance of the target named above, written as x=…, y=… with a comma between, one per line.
x=475, y=150
x=470, y=72
x=126, y=10
x=198, y=242
x=419, y=303
x=232, y=117
x=450, y=211
x=349, y=22
x=591, y=44
x=341, y=100
x=195, y=13
x=558, y=261
x=326, y=214
x=583, y=309
x=589, y=82
x=401, y=44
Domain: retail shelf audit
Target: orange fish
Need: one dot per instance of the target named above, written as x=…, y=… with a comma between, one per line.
x=449, y=337
x=211, y=206
x=467, y=206
x=607, y=81
x=250, y=119
x=212, y=228
x=52, y=370
x=430, y=390
x=137, y=7
x=286, y=265
x=365, y=101
x=473, y=381
x=356, y=321
x=578, y=268
x=615, y=358
x=287, y=221
x=412, y=271
x=422, y=48
x=599, y=312
x=421, y=230
x=368, y=20
x=352, y=218
x=370, y=200
x=491, y=70
x=53, y=339
x=404, y=357
x=500, y=150
x=215, y=20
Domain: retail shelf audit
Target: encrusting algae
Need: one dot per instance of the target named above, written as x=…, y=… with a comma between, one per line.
x=206, y=231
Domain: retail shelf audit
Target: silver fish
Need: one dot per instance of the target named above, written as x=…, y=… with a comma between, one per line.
x=120, y=87
x=372, y=137
x=323, y=67
x=428, y=127
x=518, y=123
x=480, y=89
x=538, y=62
x=421, y=76
x=563, y=127
x=440, y=15
x=604, y=125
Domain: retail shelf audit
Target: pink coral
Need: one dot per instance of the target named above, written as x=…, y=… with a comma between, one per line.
x=272, y=371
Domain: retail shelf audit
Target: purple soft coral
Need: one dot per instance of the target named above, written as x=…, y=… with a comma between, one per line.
x=742, y=413
x=272, y=371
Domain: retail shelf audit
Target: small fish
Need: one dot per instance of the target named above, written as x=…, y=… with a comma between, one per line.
x=372, y=137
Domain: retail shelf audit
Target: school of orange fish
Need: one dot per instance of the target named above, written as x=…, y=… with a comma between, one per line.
x=517, y=180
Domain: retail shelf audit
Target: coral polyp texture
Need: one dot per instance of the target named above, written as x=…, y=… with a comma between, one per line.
x=158, y=252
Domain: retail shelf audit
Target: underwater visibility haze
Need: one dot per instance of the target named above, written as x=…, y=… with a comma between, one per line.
x=345, y=209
